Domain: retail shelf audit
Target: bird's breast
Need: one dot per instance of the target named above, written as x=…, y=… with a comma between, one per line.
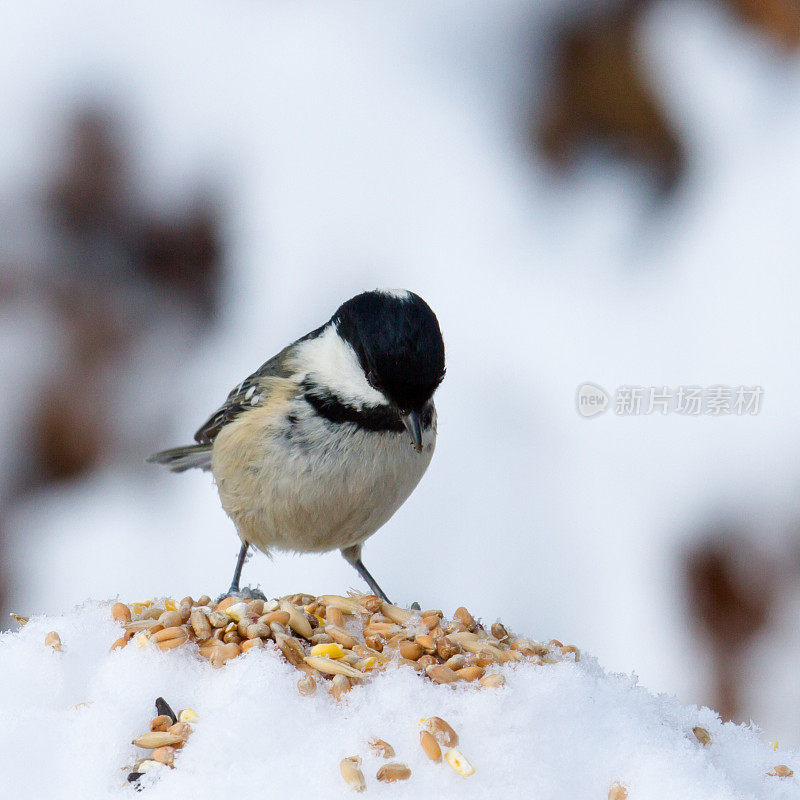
x=292, y=479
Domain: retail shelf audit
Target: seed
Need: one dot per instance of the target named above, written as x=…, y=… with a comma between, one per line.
x=163, y=708
x=374, y=642
x=182, y=729
x=447, y=648
x=458, y=661
x=200, y=624
x=430, y=746
x=499, y=631
x=224, y=653
x=231, y=636
x=256, y=630
x=334, y=616
x=143, y=625
x=702, y=735
x=281, y=617
x=371, y=602
x=340, y=685
x=204, y=600
x=20, y=620
x=394, y=771
x=381, y=748
x=330, y=650
x=351, y=772
x=255, y=608
x=307, y=685
x=427, y=643
x=426, y=661
x=460, y=764
x=121, y=613
x=226, y=603
x=493, y=680
x=217, y=619
x=297, y=621
x=341, y=635
x=256, y=643
x=331, y=666
x=781, y=771
x=472, y=643
x=345, y=604
x=121, y=642
x=170, y=619
x=411, y=650
x=53, y=640
x=555, y=643
x=439, y=673
x=431, y=621
x=292, y=649
x=188, y=715
x=171, y=644
x=396, y=614
x=617, y=791
x=166, y=634
x=470, y=673
x=465, y=618
x=443, y=733
x=164, y=755
x=160, y=723
x=485, y=658
x=154, y=739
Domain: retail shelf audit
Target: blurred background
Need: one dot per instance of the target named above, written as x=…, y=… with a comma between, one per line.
x=583, y=191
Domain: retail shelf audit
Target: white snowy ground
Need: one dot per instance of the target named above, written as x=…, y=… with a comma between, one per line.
x=379, y=145
x=556, y=731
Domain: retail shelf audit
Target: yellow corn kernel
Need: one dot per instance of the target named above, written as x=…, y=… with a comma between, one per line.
x=188, y=715
x=170, y=604
x=142, y=640
x=460, y=764
x=331, y=650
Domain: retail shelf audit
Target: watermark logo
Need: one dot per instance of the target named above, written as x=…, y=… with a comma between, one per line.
x=687, y=401
x=591, y=399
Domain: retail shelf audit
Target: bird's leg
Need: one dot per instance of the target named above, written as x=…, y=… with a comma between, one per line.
x=237, y=573
x=247, y=593
x=353, y=556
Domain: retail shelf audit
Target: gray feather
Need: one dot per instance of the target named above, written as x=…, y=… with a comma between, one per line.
x=179, y=459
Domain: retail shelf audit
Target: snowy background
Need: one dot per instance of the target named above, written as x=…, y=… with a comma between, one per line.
x=364, y=145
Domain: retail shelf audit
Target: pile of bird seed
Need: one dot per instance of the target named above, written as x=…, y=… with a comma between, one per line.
x=335, y=641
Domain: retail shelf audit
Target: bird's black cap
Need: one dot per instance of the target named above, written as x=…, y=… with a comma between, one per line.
x=398, y=342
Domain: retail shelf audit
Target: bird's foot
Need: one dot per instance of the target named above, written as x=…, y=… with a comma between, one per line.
x=245, y=593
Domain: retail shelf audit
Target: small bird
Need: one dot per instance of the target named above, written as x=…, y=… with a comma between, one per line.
x=320, y=446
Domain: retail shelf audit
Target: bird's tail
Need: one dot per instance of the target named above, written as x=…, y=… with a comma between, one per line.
x=179, y=459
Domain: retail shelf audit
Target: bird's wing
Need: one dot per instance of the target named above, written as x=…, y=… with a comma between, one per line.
x=250, y=393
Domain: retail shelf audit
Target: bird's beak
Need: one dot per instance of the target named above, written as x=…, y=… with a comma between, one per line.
x=414, y=427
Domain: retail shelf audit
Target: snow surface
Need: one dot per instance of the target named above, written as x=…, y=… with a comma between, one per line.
x=556, y=731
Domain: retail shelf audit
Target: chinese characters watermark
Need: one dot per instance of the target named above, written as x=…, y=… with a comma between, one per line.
x=687, y=401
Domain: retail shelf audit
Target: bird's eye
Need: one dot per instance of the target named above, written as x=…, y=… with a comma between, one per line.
x=372, y=380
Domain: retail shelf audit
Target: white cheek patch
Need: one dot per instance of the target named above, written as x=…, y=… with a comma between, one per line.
x=333, y=365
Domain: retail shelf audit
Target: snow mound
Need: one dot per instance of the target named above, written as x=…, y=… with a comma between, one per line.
x=558, y=729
